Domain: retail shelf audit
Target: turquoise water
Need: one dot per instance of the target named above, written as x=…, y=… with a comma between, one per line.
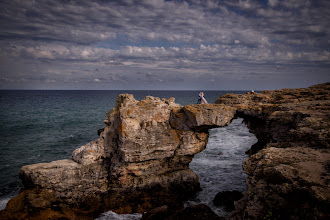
x=42, y=126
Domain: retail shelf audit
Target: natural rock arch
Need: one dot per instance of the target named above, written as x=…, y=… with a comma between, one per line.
x=144, y=152
x=139, y=162
x=152, y=142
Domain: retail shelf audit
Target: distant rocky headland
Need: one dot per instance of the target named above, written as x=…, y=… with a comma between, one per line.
x=140, y=162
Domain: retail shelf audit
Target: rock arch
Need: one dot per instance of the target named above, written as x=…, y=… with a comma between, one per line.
x=145, y=149
x=139, y=162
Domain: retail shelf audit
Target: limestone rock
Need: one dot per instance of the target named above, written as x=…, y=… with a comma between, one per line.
x=147, y=152
x=287, y=117
x=140, y=161
x=90, y=153
x=288, y=178
x=208, y=116
x=287, y=182
x=53, y=189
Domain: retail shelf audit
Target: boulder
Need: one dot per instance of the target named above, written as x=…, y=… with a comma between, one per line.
x=227, y=199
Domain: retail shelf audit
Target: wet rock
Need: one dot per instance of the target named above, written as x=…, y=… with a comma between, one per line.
x=159, y=213
x=227, y=199
x=201, y=212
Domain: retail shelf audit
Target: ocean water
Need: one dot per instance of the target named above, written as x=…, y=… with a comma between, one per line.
x=46, y=125
x=219, y=166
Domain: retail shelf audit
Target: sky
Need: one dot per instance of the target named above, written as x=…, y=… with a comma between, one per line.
x=164, y=45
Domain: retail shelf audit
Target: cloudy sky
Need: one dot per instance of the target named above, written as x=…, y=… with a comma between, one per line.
x=157, y=44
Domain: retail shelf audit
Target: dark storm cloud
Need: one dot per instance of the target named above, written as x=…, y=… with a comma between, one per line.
x=169, y=40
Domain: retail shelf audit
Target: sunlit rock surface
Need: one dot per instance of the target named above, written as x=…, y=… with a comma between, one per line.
x=139, y=162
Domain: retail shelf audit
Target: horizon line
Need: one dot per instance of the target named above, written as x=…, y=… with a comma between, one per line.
x=244, y=90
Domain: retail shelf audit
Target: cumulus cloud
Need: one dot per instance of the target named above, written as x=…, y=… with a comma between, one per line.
x=169, y=41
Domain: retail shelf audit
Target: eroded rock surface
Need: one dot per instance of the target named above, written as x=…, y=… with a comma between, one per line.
x=141, y=159
x=288, y=170
x=296, y=117
x=64, y=189
x=139, y=162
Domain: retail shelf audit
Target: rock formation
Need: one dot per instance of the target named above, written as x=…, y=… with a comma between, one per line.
x=227, y=199
x=141, y=159
x=139, y=162
x=200, y=212
x=289, y=177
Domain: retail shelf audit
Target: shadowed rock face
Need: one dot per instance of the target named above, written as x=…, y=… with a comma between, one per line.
x=296, y=117
x=288, y=170
x=139, y=162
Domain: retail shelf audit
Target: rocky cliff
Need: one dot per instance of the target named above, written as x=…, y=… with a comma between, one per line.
x=141, y=159
x=139, y=162
x=288, y=170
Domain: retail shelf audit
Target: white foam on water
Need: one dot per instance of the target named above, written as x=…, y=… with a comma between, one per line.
x=219, y=166
x=3, y=202
x=114, y=216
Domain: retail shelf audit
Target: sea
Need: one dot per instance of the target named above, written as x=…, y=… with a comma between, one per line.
x=38, y=126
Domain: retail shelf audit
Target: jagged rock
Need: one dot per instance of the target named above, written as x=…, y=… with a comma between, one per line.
x=159, y=213
x=139, y=162
x=99, y=131
x=287, y=117
x=291, y=182
x=52, y=189
x=206, y=116
x=147, y=152
x=288, y=178
x=141, y=159
x=227, y=199
x=90, y=153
